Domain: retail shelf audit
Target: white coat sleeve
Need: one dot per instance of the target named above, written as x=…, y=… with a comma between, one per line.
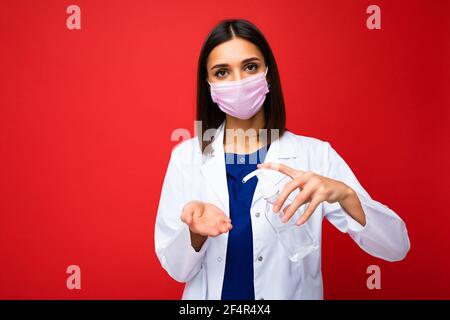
x=384, y=235
x=172, y=237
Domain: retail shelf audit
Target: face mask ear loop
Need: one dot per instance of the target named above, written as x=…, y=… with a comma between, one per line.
x=265, y=74
x=209, y=87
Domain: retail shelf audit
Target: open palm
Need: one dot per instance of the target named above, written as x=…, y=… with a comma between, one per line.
x=205, y=219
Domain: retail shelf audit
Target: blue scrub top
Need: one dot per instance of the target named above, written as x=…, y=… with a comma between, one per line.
x=238, y=279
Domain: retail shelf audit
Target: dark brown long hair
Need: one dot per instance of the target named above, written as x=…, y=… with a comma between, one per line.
x=208, y=113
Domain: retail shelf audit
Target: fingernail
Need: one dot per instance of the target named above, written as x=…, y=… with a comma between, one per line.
x=276, y=208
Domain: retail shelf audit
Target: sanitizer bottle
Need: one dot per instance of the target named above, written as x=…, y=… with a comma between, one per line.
x=297, y=241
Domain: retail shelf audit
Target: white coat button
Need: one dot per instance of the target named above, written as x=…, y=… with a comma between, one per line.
x=257, y=214
x=219, y=259
x=260, y=258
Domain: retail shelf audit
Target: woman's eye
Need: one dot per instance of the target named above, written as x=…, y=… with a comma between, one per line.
x=252, y=67
x=220, y=74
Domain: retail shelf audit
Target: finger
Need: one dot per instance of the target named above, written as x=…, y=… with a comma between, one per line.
x=291, y=172
x=310, y=210
x=287, y=190
x=299, y=200
x=224, y=219
x=286, y=208
x=225, y=228
x=186, y=215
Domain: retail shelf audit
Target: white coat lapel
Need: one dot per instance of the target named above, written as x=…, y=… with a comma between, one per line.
x=281, y=150
x=214, y=171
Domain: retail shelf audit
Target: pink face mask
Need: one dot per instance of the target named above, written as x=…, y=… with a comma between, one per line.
x=241, y=98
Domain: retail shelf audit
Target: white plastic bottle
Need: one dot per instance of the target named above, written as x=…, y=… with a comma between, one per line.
x=297, y=241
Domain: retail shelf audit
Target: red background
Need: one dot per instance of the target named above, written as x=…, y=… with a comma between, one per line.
x=86, y=118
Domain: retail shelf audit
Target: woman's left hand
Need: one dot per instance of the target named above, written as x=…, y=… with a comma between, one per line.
x=313, y=189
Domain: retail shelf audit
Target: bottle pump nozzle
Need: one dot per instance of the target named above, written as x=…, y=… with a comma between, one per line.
x=268, y=188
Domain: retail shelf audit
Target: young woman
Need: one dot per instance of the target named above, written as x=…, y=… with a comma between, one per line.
x=210, y=230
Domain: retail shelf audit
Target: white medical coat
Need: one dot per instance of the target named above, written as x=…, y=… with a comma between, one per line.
x=193, y=176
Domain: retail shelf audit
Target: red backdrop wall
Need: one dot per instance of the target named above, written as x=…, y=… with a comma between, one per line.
x=86, y=118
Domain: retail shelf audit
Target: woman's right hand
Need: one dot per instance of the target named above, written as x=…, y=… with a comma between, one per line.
x=205, y=219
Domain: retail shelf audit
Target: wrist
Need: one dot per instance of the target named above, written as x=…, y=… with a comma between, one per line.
x=348, y=193
x=197, y=240
x=352, y=206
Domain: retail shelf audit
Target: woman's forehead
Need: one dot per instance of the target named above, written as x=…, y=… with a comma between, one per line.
x=233, y=52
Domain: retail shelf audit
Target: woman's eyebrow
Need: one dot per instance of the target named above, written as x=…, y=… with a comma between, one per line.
x=249, y=59
x=222, y=65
